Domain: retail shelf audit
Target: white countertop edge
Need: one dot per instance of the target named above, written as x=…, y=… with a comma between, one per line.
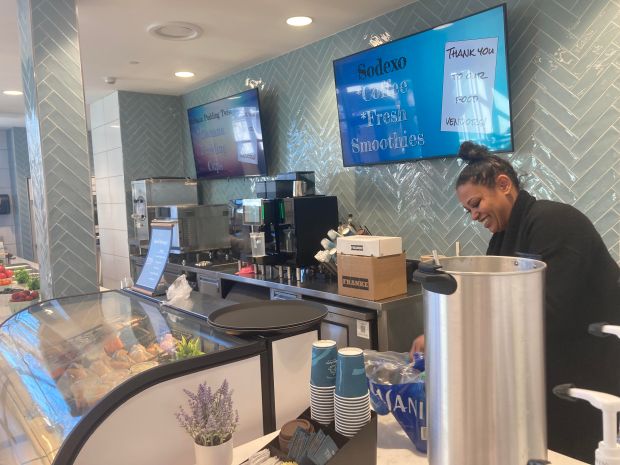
x=242, y=453
x=393, y=447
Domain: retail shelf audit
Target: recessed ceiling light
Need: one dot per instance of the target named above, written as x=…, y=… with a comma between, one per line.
x=184, y=74
x=175, y=31
x=12, y=92
x=299, y=21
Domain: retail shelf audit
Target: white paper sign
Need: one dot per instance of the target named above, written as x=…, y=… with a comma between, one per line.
x=468, y=80
x=244, y=132
x=363, y=329
x=247, y=152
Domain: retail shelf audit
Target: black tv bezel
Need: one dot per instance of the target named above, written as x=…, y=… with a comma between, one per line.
x=441, y=156
x=260, y=117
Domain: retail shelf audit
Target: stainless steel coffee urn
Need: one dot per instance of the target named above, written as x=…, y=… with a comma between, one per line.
x=484, y=360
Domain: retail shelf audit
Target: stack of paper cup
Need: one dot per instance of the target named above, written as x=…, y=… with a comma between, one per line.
x=351, y=399
x=322, y=381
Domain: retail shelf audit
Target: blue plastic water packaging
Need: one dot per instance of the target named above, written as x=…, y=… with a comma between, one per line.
x=396, y=385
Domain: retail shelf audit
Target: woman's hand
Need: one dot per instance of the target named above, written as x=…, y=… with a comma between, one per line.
x=417, y=346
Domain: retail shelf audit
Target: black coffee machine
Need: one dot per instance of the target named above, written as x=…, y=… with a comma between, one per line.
x=306, y=221
x=290, y=229
x=266, y=228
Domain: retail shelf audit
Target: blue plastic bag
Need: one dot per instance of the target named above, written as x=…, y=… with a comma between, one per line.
x=396, y=385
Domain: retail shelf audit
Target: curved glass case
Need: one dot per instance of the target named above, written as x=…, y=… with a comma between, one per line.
x=61, y=358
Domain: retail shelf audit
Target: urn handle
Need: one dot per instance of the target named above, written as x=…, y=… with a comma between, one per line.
x=433, y=279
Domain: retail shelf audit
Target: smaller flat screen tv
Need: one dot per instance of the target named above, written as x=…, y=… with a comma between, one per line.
x=423, y=95
x=227, y=137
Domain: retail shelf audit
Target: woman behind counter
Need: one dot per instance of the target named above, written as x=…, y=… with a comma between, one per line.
x=582, y=287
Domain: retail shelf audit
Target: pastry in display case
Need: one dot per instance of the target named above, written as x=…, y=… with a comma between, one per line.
x=60, y=360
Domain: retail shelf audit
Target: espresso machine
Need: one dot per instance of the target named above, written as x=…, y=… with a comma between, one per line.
x=263, y=216
x=287, y=232
x=306, y=220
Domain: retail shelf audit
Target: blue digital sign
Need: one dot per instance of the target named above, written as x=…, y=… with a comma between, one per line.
x=423, y=95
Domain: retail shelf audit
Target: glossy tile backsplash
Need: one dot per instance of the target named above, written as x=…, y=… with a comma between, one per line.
x=565, y=89
x=9, y=227
x=18, y=151
x=58, y=147
x=152, y=139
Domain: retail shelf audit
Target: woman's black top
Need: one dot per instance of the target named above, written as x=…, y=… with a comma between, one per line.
x=581, y=287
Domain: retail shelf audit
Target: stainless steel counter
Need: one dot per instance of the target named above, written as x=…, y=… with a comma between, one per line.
x=197, y=304
x=398, y=319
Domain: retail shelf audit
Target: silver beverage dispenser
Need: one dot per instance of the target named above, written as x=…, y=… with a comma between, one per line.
x=149, y=193
x=484, y=360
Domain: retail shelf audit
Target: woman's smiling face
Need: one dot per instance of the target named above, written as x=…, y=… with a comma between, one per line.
x=490, y=206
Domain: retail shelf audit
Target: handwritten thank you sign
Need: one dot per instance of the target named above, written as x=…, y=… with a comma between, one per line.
x=468, y=82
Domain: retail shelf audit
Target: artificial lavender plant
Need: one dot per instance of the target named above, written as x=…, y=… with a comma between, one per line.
x=210, y=421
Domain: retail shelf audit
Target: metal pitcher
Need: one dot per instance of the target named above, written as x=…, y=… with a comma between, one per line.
x=485, y=360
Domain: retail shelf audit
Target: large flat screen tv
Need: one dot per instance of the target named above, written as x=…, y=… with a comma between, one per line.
x=227, y=137
x=422, y=95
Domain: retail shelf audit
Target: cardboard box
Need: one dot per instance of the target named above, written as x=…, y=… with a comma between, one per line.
x=372, y=278
x=377, y=246
x=361, y=449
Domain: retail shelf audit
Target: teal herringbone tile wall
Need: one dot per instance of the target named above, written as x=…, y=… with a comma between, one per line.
x=18, y=148
x=58, y=147
x=152, y=140
x=564, y=57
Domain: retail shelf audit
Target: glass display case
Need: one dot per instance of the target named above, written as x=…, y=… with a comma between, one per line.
x=63, y=359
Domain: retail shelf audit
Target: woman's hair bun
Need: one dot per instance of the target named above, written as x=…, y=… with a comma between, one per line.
x=471, y=152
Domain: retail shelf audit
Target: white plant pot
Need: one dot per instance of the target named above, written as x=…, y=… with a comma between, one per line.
x=214, y=455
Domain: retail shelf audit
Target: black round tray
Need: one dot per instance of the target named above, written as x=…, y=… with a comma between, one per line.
x=273, y=316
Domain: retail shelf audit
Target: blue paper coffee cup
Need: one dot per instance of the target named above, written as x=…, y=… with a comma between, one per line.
x=350, y=373
x=323, y=369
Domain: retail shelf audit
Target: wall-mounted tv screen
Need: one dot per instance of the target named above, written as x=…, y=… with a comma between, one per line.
x=227, y=138
x=422, y=95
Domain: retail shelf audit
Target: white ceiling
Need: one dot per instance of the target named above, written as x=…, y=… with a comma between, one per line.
x=237, y=34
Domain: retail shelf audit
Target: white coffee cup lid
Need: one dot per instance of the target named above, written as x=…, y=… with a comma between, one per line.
x=350, y=351
x=322, y=343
